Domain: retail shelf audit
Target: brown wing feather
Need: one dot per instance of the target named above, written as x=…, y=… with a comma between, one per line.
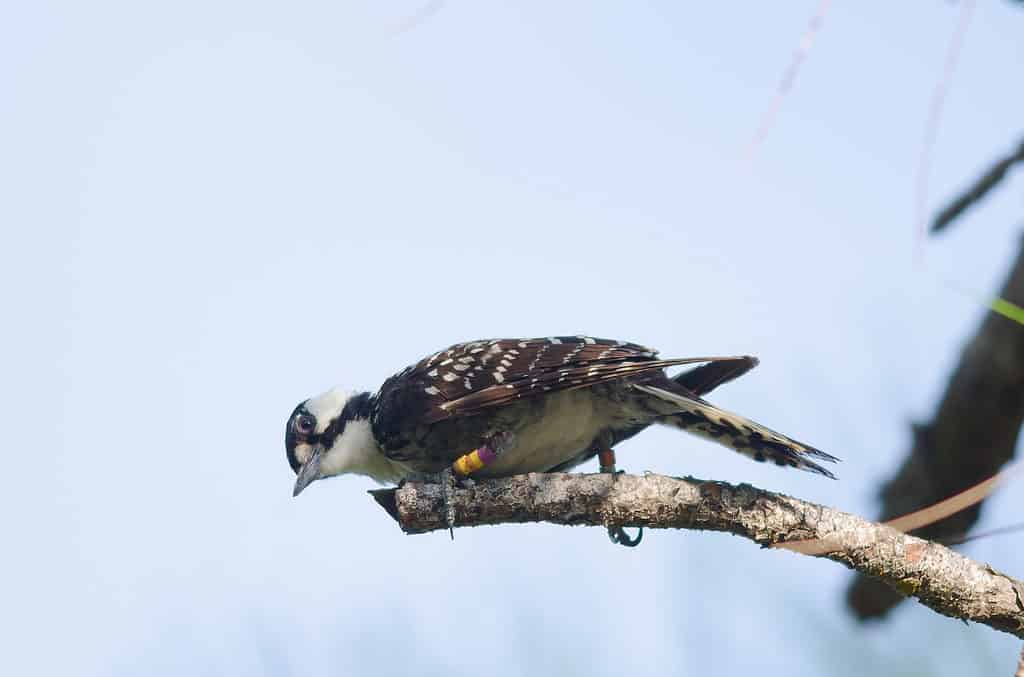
x=422, y=391
x=547, y=367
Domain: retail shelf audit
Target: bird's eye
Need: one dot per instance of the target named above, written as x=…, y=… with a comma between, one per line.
x=305, y=424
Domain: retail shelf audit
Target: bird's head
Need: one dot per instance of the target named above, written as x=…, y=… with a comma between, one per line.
x=328, y=435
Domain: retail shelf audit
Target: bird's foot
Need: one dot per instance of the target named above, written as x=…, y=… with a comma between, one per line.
x=617, y=535
x=448, y=481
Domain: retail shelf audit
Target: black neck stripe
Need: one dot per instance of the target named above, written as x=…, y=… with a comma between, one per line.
x=357, y=408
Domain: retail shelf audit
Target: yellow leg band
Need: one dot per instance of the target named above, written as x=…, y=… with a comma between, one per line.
x=468, y=464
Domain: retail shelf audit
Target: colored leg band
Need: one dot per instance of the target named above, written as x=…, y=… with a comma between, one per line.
x=473, y=461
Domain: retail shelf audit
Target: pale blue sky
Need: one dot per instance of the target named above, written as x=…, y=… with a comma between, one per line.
x=214, y=211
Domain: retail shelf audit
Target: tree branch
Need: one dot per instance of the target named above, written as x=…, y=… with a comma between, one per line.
x=941, y=579
x=992, y=177
x=973, y=434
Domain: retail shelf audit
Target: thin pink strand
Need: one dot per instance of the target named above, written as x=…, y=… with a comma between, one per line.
x=421, y=16
x=932, y=126
x=788, y=78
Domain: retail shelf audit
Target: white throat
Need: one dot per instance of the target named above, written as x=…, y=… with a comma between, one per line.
x=356, y=451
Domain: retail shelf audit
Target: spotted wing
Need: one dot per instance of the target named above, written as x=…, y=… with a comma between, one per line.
x=426, y=391
x=469, y=378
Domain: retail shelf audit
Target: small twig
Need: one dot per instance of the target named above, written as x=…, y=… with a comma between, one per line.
x=943, y=580
x=986, y=182
x=924, y=162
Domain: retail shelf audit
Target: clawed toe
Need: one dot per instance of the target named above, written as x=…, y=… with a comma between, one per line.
x=619, y=536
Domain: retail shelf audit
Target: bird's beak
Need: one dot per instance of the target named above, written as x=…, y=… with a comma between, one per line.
x=309, y=472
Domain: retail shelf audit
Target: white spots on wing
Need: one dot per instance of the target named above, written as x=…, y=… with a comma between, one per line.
x=431, y=390
x=554, y=341
x=589, y=341
x=461, y=367
x=510, y=386
x=571, y=355
x=506, y=363
x=476, y=350
x=522, y=344
x=466, y=382
x=449, y=376
x=536, y=358
x=499, y=378
x=447, y=362
x=514, y=351
x=501, y=370
x=432, y=373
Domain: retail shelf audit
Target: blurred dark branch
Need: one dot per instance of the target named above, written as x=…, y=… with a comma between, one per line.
x=986, y=182
x=940, y=578
x=973, y=434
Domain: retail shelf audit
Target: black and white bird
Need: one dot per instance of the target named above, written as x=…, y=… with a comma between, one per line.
x=540, y=405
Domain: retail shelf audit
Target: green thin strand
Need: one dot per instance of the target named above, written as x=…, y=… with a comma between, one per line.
x=1008, y=310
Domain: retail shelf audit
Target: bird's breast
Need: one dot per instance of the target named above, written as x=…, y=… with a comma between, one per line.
x=548, y=431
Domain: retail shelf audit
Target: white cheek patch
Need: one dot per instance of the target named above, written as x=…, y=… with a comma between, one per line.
x=355, y=451
x=327, y=406
x=302, y=452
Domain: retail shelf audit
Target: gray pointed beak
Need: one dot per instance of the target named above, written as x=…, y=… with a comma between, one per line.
x=309, y=472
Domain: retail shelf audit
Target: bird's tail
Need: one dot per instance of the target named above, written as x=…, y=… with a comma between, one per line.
x=751, y=439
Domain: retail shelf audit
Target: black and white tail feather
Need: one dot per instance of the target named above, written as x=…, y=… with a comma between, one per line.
x=737, y=432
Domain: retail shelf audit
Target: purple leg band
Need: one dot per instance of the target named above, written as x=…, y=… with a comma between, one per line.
x=486, y=455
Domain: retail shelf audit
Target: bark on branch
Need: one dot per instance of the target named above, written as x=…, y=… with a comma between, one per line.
x=973, y=434
x=938, y=577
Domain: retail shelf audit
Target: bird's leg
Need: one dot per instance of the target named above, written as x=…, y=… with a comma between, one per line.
x=447, y=480
x=466, y=465
x=606, y=461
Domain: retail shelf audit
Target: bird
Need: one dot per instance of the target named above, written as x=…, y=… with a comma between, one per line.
x=500, y=407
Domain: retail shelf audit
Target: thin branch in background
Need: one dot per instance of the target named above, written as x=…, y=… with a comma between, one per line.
x=998, y=531
x=997, y=305
x=424, y=13
x=924, y=161
x=788, y=78
x=979, y=189
x=919, y=518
